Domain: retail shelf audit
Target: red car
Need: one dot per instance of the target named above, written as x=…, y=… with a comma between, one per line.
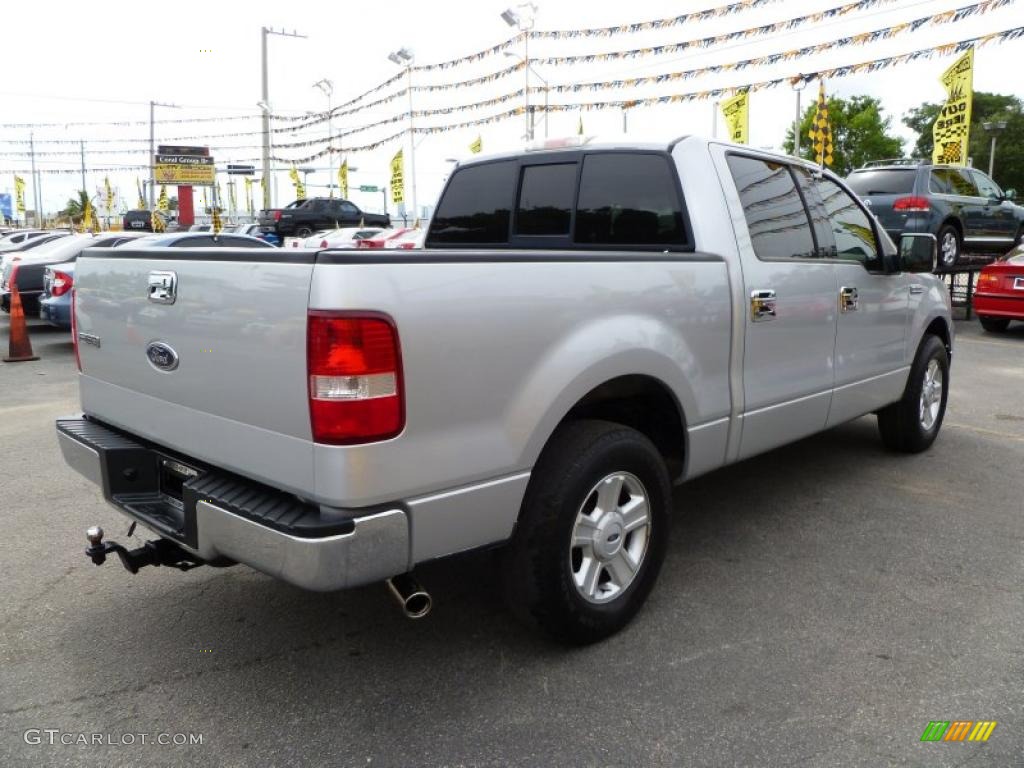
x=999, y=295
x=380, y=239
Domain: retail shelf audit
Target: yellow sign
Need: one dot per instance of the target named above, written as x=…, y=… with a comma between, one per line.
x=821, y=130
x=952, y=127
x=477, y=146
x=248, y=194
x=343, y=179
x=19, y=194
x=184, y=169
x=737, y=117
x=397, y=178
x=300, y=188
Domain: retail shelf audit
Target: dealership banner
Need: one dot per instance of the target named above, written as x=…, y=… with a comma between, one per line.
x=737, y=117
x=397, y=178
x=19, y=194
x=184, y=169
x=952, y=127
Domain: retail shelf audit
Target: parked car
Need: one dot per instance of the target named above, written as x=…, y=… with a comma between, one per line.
x=31, y=267
x=58, y=280
x=12, y=241
x=303, y=217
x=407, y=240
x=200, y=240
x=381, y=239
x=345, y=237
x=962, y=207
x=137, y=221
x=588, y=324
x=999, y=293
x=28, y=245
x=253, y=230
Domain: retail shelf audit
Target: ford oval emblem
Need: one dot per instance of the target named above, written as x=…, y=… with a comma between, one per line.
x=162, y=356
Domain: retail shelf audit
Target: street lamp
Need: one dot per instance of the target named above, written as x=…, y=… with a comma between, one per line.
x=547, y=88
x=327, y=88
x=403, y=57
x=522, y=17
x=993, y=128
x=798, y=85
x=265, y=100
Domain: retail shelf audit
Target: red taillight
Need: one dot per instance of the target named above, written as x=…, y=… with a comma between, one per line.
x=989, y=280
x=912, y=204
x=277, y=215
x=355, y=377
x=323, y=243
x=74, y=328
x=61, y=283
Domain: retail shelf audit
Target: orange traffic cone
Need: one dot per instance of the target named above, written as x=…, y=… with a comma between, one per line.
x=19, y=349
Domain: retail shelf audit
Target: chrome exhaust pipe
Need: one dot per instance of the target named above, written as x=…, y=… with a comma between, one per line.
x=414, y=600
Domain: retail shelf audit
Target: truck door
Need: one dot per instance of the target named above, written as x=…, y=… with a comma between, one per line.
x=870, y=357
x=790, y=317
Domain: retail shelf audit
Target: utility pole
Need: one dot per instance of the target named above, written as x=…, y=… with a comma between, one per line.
x=265, y=105
x=327, y=88
x=625, y=123
x=796, y=122
x=412, y=145
x=37, y=197
x=82, y=145
x=152, y=150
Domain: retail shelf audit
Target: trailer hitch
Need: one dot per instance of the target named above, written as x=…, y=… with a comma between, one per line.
x=159, y=552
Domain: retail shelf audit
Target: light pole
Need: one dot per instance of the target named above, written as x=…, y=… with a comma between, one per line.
x=547, y=88
x=152, y=149
x=403, y=57
x=798, y=87
x=265, y=102
x=327, y=87
x=993, y=128
x=523, y=20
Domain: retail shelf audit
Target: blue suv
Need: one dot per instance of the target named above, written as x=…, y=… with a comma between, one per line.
x=962, y=207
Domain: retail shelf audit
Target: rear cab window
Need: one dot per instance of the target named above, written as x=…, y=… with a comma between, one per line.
x=573, y=200
x=891, y=181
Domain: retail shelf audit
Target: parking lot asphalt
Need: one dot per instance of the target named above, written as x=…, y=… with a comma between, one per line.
x=819, y=606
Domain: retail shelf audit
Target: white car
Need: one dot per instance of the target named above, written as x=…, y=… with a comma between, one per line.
x=407, y=240
x=12, y=241
x=339, y=238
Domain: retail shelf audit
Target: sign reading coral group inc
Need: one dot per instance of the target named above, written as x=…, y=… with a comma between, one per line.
x=184, y=165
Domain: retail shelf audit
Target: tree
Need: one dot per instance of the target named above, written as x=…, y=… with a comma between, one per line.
x=859, y=133
x=985, y=107
x=75, y=208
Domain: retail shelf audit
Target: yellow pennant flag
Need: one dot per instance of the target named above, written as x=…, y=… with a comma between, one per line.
x=19, y=194
x=737, y=117
x=87, y=217
x=142, y=199
x=232, y=203
x=343, y=179
x=300, y=188
x=265, y=189
x=215, y=224
x=109, y=193
x=477, y=146
x=821, y=130
x=248, y=195
x=397, y=178
x=579, y=128
x=951, y=130
x=163, y=203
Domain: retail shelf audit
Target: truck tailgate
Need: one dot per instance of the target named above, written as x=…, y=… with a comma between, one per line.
x=220, y=373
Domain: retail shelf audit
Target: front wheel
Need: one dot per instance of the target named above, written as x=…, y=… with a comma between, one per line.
x=994, y=324
x=949, y=247
x=911, y=424
x=592, y=532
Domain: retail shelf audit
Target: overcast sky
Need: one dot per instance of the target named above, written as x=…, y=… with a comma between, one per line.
x=107, y=64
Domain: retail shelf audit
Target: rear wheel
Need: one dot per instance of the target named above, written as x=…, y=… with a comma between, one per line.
x=949, y=246
x=303, y=232
x=592, y=532
x=911, y=424
x=994, y=324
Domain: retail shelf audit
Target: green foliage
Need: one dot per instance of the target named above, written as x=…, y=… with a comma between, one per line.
x=985, y=107
x=75, y=207
x=859, y=133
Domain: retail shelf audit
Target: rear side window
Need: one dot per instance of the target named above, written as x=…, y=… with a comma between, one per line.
x=628, y=199
x=888, y=182
x=203, y=241
x=776, y=218
x=545, y=199
x=950, y=181
x=476, y=206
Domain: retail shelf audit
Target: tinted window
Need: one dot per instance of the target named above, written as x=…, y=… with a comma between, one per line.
x=203, y=241
x=347, y=208
x=241, y=242
x=628, y=199
x=950, y=181
x=775, y=214
x=545, y=199
x=816, y=211
x=986, y=187
x=889, y=182
x=476, y=206
x=851, y=226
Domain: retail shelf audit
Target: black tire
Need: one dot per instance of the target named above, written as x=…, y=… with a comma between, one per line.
x=538, y=563
x=994, y=324
x=950, y=246
x=900, y=424
x=303, y=232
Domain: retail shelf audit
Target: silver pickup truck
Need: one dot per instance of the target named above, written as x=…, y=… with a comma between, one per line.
x=589, y=323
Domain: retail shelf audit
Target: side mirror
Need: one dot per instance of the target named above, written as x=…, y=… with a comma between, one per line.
x=919, y=252
x=1009, y=194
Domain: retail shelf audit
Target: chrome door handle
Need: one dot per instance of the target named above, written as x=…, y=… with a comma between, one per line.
x=916, y=289
x=847, y=299
x=762, y=306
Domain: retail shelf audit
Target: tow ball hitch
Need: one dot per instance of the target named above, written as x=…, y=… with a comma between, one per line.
x=159, y=552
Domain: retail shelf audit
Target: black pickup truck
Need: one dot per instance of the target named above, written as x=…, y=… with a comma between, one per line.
x=303, y=217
